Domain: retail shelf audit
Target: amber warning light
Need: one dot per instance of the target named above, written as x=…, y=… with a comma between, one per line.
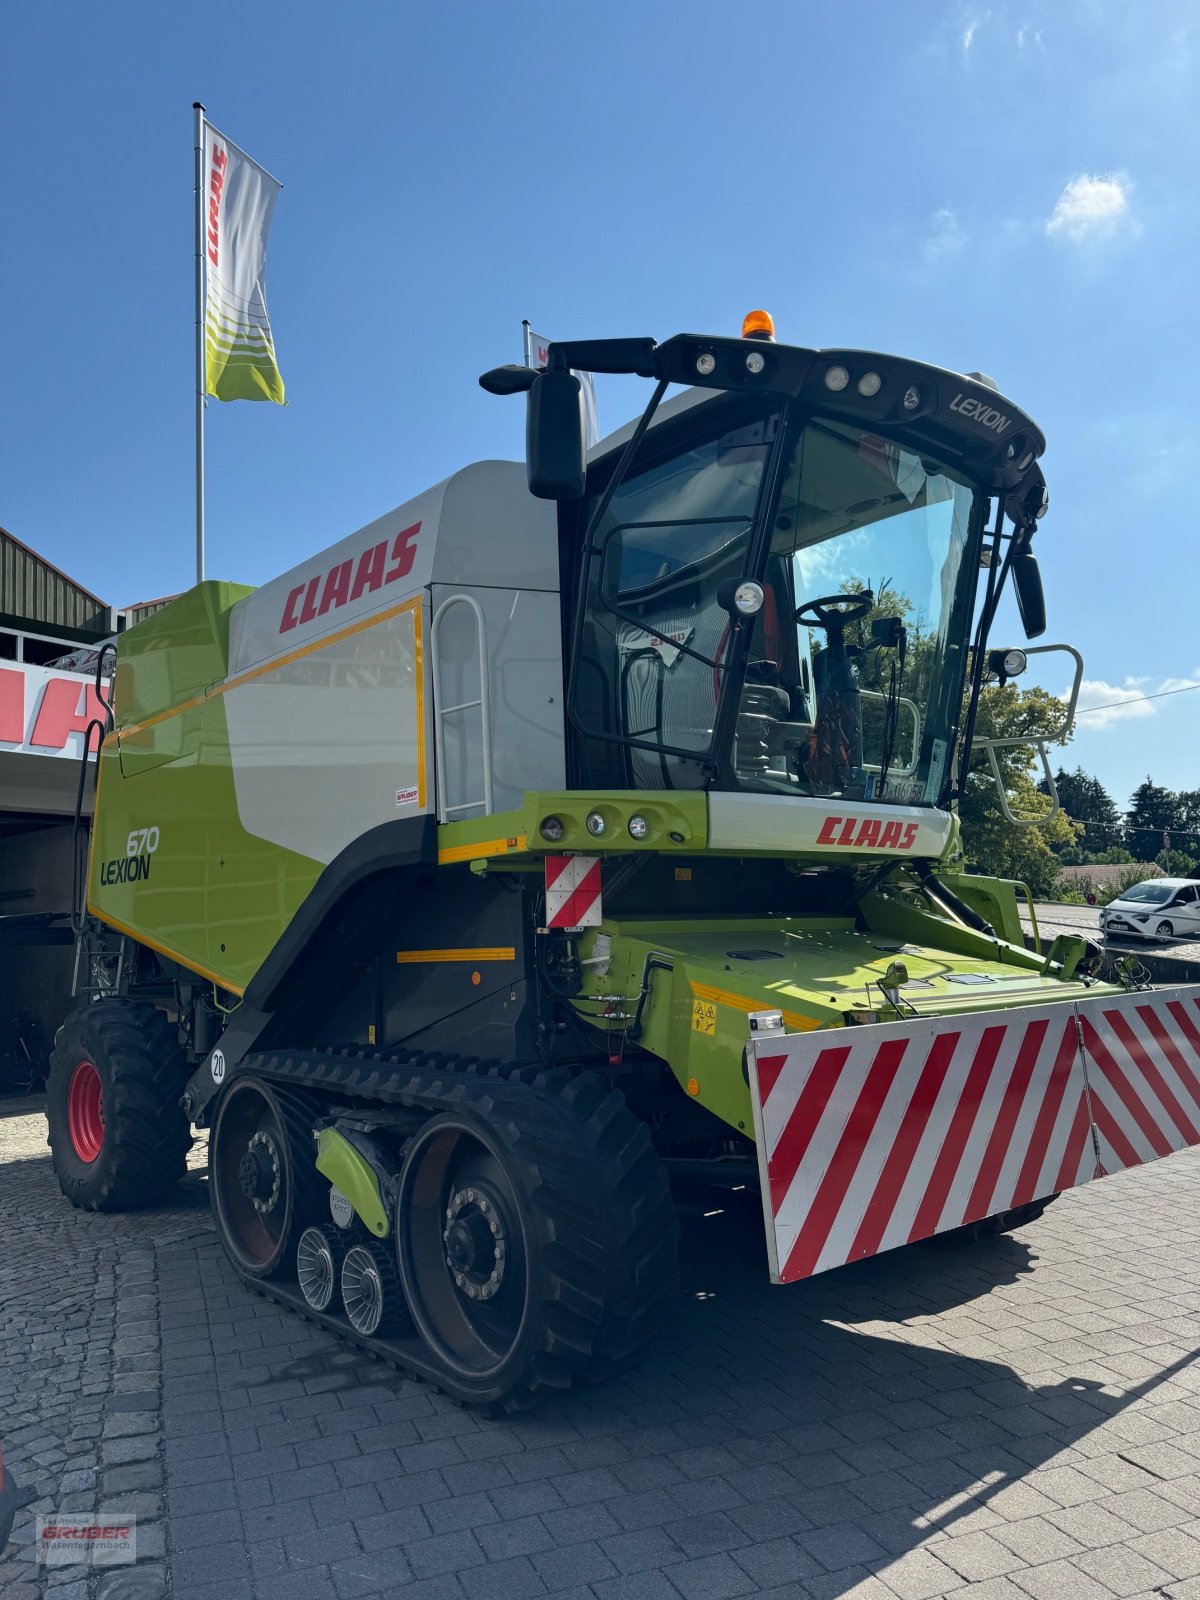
x=758, y=325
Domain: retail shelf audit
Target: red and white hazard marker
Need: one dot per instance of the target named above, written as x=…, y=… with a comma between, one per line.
x=573, y=897
x=872, y=1137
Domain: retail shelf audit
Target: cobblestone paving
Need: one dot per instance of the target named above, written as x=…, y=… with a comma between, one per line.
x=1018, y=1419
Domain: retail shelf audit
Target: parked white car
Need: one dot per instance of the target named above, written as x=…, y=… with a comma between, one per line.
x=1160, y=908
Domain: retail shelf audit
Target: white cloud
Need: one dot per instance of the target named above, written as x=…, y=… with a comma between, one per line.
x=969, y=32
x=1103, y=704
x=1106, y=703
x=1029, y=38
x=1091, y=208
x=945, y=237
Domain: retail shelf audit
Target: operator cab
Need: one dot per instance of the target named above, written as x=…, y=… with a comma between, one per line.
x=854, y=653
x=770, y=587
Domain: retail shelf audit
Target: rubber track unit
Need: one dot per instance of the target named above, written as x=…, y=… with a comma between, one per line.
x=612, y=1264
x=146, y=1135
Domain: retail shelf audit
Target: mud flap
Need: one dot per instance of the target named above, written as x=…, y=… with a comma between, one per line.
x=873, y=1137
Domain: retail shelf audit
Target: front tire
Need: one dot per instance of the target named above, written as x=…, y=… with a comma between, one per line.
x=1166, y=930
x=118, y=1135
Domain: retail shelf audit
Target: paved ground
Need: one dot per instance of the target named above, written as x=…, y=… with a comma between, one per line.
x=1054, y=918
x=1020, y=1419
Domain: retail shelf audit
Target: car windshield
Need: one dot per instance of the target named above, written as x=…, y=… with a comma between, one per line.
x=856, y=657
x=1151, y=893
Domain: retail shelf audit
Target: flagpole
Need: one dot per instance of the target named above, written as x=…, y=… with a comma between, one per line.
x=527, y=334
x=198, y=141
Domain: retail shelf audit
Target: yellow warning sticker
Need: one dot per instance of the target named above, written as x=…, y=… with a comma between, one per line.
x=704, y=1016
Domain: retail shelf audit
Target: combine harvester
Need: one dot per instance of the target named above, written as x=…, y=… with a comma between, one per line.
x=585, y=824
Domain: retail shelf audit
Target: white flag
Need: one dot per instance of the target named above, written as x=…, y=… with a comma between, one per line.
x=539, y=355
x=238, y=204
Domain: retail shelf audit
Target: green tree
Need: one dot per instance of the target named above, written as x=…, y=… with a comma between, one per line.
x=1085, y=799
x=1189, y=821
x=1175, y=863
x=1153, y=812
x=990, y=842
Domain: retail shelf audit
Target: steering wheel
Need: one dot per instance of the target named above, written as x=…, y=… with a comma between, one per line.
x=834, y=611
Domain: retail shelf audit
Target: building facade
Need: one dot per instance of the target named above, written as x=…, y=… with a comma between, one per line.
x=51, y=629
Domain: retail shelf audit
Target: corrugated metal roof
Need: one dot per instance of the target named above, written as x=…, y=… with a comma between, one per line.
x=33, y=589
x=141, y=609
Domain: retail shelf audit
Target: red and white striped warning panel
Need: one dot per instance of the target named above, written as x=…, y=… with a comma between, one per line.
x=872, y=1137
x=1142, y=1056
x=573, y=892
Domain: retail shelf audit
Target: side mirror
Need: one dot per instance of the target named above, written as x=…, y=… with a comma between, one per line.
x=1031, y=599
x=555, y=437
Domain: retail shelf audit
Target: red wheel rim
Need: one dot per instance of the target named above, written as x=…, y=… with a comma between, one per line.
x=85, y=1111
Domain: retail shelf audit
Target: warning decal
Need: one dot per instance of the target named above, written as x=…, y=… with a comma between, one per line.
x=704, y=1016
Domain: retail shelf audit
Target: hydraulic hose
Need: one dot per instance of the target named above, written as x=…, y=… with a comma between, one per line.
x=950, y=901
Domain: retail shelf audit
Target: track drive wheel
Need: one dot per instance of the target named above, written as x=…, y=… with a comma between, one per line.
x=262, y=1183
x=118, y=1134
x=535, y=1236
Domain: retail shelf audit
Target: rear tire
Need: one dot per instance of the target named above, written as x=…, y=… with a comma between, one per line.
x=118, y=1135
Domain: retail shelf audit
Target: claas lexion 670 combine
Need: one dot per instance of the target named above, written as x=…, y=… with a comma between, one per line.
x=586, y=824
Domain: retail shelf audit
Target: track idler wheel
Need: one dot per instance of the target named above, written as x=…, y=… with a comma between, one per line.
x=262, y=1181
x=371, y=1295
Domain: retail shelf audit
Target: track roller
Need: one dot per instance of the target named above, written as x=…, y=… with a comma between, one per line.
x=318, y=1262
x=371, y=1295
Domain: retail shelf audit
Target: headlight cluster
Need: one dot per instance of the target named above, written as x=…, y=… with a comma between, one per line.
x=838, y=377
x=608, y=823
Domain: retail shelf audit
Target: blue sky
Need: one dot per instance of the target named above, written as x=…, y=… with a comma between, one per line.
x=1008, y=187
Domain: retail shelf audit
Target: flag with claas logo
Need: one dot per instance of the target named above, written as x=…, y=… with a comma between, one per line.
x=239, y=202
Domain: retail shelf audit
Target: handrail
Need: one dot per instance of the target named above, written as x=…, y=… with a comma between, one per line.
x=1037, y=937
x=903, y=700
x=1036, y=742
x=440, y=712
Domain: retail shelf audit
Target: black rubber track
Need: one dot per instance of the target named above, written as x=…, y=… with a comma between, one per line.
x=306, y=1204
x=136, y=1051
x=606, y=1223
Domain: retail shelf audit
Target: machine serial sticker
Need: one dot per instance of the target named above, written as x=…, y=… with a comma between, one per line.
x=704, y=1016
